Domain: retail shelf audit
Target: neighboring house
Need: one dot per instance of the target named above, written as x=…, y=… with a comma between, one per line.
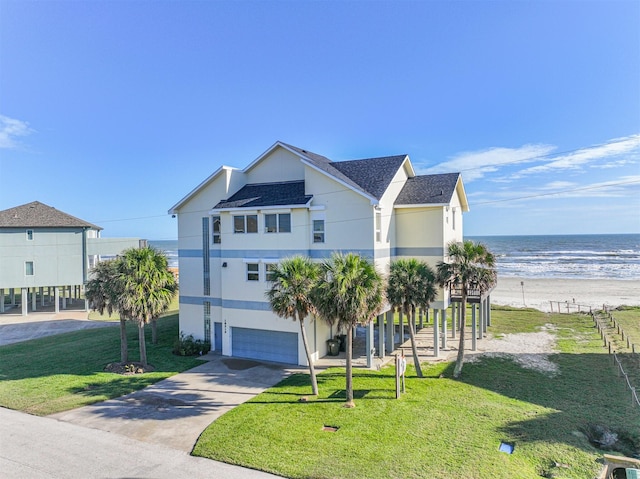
x=42, y=247
x=289, y=201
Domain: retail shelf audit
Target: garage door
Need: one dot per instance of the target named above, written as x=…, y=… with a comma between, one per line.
x=276, y=346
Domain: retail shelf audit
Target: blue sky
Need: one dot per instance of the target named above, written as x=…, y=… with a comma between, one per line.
x=113, y=111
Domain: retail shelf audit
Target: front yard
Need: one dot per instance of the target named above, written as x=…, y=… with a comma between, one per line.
x=440, y=428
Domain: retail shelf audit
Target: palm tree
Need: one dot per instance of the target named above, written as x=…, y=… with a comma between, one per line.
x=470, y=266
x=102, y=293
x=350, y=292
x=290, y=297
x=147, y=288
x=411, y=285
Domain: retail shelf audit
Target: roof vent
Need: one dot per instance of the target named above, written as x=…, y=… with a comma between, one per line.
x=441, y=192
x=15, y=216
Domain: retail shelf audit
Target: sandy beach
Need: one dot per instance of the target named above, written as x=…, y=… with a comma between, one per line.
x=540, y=293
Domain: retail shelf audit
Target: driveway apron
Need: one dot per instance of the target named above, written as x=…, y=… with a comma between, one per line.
x=175, y=411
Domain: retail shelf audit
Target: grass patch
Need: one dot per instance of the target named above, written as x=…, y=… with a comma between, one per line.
x=62, y=372
x=440, y=428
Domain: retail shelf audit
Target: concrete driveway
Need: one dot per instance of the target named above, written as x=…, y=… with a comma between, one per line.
x=174, y=412
x=15, y=328
x=43, y=448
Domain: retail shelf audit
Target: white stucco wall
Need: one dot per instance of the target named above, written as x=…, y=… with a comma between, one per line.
x=349, y=215
x=279, y=165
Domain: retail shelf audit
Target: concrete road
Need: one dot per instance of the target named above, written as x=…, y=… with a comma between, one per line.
x=44, y=448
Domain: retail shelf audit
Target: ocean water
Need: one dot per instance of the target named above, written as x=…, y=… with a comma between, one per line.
x=605, y=256
x=554, y=256
x=170, y=249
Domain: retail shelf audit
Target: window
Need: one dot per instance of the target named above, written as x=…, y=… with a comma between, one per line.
x=29, y=235
x=253, y=272
x=378, y=227
x=268, y=270
x=453, y=216
x=277, y=223
x=318, y=231
x=245, y=224
x=28, y=268
x=217, y=239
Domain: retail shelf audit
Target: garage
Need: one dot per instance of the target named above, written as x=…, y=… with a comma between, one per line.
x=276, y=346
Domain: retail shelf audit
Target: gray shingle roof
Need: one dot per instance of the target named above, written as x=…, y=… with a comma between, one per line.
x=428, y=189
x=39, y=215
x=326, y=165
x=267, y=194
x=372, y=174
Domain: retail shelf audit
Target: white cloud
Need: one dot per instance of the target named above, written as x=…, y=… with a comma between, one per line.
x=559, y=185
x=601, y=156
x=475, y=164
x=10, y=130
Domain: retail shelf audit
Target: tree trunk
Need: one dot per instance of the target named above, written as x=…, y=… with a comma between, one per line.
x=463, y=316
x=154, y=331
x=124, y=348
x=143, y=345
x=349, y=378
x=414, y=348
x=312, y=371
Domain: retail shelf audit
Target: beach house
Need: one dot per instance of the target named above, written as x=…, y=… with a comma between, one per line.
x=236, y=224
x=46, y=255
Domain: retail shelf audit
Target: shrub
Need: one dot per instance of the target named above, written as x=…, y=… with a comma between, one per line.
x=188, y=346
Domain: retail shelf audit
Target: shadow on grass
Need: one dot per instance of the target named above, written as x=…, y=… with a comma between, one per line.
x=585, y=392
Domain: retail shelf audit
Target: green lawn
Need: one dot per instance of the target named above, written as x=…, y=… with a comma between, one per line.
x=62, y=372
x=440, y=428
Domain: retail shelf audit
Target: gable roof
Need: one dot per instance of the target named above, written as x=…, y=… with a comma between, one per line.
x=369, y=176
x=267, y=194
x=428, y=190
x=39, y=215
x=174, y=209
x=373, y=175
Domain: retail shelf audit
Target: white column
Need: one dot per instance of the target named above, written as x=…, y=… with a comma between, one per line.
x=34, y=300
x=41, y=296
x=401, y=316
x=12, y=296
x=391, y=331
x=1, y=300
x=24, y=301
x=444, y=328
x=436, y=339
x=56, y=298
x=474, y=327
x=381, y=336
x=64, y=297
x=370, y=344
x=455, y=318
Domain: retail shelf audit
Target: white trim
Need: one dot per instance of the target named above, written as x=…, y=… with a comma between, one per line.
x=251, y=260
x=317, y=208
x=423, y=205
x=282, y=208
x=174, y=209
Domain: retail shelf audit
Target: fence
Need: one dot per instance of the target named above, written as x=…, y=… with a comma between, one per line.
x=617, y=329
x=569, y=307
